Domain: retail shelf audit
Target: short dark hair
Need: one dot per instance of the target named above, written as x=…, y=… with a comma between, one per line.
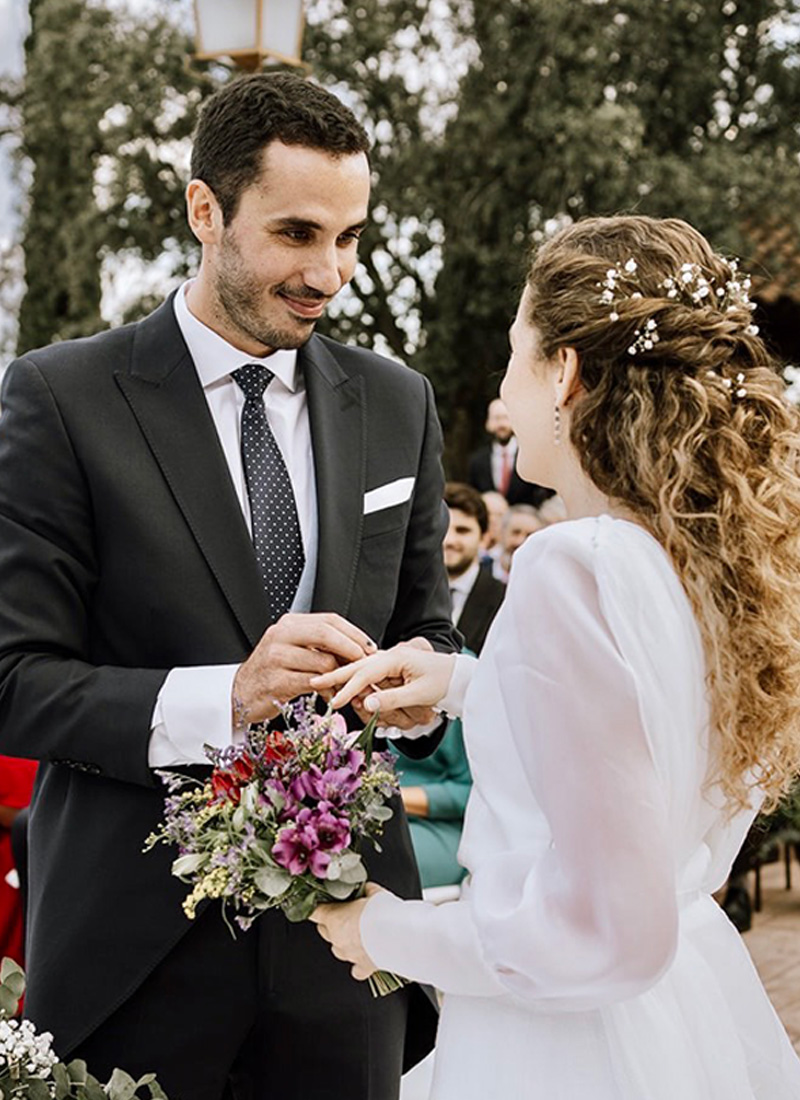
x=457, y=494
x=241, y=119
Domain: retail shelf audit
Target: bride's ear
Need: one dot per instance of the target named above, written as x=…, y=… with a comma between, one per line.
x=568, y=376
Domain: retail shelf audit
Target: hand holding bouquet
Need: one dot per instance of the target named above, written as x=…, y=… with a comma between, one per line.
x=282, y=820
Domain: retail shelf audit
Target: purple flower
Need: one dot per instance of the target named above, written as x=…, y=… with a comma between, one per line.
x=333, y=832
x=336, y=785
x=298, y=850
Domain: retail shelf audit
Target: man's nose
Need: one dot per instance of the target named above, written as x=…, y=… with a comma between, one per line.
x=324, y=273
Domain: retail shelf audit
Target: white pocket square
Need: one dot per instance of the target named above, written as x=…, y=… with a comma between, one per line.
x=385, y=496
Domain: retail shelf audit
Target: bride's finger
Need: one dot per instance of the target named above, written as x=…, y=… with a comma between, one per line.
x=359, y=677
x=337, y=677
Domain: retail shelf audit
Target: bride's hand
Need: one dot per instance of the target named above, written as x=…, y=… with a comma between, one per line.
x=339, y=924
x=424, y=677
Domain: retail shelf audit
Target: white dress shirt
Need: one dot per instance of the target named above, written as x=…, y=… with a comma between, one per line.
x=194, y=705
x=460, y=588
x=498, y=453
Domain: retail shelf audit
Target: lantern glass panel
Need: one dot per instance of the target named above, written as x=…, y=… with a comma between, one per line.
x=281, y=26
x=228, y=26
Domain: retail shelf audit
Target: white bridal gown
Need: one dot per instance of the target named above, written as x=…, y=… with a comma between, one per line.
x=587, y=959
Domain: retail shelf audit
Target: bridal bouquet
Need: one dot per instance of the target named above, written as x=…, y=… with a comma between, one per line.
x=282, y=820
x=30, y=1069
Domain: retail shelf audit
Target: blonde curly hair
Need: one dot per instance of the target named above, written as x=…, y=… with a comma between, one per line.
x=708, y=464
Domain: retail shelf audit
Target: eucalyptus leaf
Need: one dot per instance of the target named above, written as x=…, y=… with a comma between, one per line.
x=300, y=909
x=121, y=1086
x=354, y=875
x=339, y=890
x=10, y=969
x=8, y=1001
x=61, y=1081
x=272, y=881
x=238, y=818
x=36, y=1089
x=78, y=1071
x=187, y=864
x=93, y=1090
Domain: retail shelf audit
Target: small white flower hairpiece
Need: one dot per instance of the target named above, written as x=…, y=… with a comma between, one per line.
x=689, y=284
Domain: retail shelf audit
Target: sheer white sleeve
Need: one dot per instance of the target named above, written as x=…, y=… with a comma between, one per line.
x=593, y=917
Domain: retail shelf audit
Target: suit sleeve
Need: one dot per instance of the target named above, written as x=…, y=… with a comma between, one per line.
x=55, y=704
x=422, y=607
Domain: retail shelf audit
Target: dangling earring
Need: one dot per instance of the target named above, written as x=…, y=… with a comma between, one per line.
x=557, y=425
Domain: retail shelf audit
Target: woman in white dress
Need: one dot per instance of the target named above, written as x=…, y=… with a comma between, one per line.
x=635, y=701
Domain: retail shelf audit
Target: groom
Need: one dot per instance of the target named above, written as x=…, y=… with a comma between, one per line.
x=198, y=513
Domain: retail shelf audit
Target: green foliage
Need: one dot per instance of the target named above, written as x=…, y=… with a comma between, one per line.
x=57, y=1081
x=103, y=103
x=563, y=110
x=491, y=125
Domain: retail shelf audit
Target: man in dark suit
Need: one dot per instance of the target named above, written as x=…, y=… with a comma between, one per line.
x=198, y=513
x=494, y=467
x=474, y=593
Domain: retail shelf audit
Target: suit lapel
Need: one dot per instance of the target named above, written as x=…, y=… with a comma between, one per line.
x=165, y=396
x=337, y=413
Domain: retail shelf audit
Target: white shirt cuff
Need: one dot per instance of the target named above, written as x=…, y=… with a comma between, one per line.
x=452, y=704
x=193, y=709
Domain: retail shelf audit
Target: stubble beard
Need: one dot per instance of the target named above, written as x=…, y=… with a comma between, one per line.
x=240, y=298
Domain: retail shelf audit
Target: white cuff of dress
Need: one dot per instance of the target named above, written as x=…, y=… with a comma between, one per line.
x=393, y=732
x=427, y=943
x=452, y=703
x=193, y=709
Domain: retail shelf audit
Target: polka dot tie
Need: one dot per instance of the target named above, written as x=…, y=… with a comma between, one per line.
x=276, y=529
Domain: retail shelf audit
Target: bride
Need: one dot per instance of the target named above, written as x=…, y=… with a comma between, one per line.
x=635, y=702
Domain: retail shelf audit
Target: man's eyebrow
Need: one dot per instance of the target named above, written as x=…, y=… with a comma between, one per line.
x=307, y=223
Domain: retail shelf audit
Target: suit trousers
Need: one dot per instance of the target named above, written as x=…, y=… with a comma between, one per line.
x=269, y=1015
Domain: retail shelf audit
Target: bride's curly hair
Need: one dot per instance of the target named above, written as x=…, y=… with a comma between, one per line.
x=694, y=435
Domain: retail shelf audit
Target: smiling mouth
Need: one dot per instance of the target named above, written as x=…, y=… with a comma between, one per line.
x=304, y=307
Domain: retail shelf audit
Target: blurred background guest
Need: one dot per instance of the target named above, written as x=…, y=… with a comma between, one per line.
x=494, y=466
x=16, y=787
x=496, y=508
x=475, y=595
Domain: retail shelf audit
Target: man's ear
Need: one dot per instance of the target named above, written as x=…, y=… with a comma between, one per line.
x=568, y=376
x=203, y=212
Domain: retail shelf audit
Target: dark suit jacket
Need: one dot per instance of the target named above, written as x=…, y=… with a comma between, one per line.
x=480, y=608
x=123, y=554
x=519, y=491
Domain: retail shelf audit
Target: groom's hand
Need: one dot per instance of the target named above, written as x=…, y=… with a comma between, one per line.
x=290, y=652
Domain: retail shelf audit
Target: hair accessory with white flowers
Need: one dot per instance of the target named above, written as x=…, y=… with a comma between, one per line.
x=689, y=285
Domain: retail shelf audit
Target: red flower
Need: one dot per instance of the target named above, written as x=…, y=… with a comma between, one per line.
x=243, y=770
x=277, y=748
x=225, y=786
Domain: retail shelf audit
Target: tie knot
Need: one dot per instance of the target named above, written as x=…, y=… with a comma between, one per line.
x=253, y=379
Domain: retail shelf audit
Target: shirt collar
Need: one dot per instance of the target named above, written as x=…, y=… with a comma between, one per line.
x=215, y=359
x=511, y=446
x=464, y=583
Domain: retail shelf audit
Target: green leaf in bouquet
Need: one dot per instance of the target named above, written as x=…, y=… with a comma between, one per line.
x=300, y=909
x=354, y=874
x=367, y=737
x=78, y=1071
x=63, y=1085
x=238, y=819
x=380, y=812
x=188, y=864
x=91, y=1089
x=12, y=976
x=272, y=881
x=8, y=1001
x=339, y=890
x=36, y=1089
x=121, y=1086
